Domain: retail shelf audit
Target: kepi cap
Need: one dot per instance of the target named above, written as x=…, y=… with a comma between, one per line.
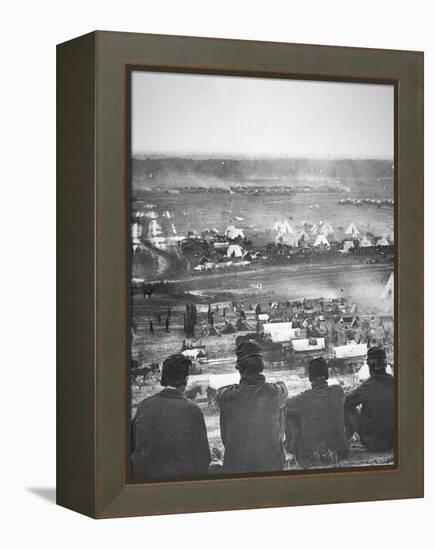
x=377, y=352
x=247, y=349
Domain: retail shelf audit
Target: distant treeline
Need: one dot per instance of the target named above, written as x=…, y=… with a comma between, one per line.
x=154, y=169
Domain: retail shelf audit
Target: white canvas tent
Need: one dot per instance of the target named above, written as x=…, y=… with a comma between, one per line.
x=281, y=332
x=263, y=317
x=352, y=230
x=321, y=240
x=388, y=291
x=365, y=242
x=283, y=227
x=302, y=344
x=382, y=242
x=192, y=353
x=232, y=232
x=314, y=229
x=234, y=251
x=350, y=350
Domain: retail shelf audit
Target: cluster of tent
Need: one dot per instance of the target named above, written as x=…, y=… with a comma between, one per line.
x=229, y=328
x=322, y=233
x=159, y=230
x=287, y=236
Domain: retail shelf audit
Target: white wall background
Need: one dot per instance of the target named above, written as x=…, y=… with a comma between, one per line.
x=29, y=32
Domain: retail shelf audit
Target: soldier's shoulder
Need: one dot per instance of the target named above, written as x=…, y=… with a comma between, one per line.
x=192, y=407
x=337, y=389
x=147, y=402
x=276, y=387
x=384, y=379
x=299, y=397
x=226, y=392
x=277, y=384
x=369, y=382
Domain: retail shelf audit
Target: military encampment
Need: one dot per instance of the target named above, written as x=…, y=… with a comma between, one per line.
x=262, y=297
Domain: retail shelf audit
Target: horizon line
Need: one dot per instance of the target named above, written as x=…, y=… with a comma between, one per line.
x=235, y=156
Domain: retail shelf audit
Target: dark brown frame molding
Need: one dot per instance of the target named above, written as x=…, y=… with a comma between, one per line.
x=94, y=262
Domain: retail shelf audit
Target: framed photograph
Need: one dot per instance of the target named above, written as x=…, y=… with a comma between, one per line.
x=240, y=274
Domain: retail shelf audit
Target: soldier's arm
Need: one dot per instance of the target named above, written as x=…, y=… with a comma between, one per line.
x=221, y=396
x=283, y=393
x=293, y=405
x=223, y=430
x=222, y=393
x=201, y=452
x=354, y=399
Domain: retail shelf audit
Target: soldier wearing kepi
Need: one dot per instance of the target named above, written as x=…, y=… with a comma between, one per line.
x=252, y=416
x=315, y=427
x=169, y=436
x=374, y=422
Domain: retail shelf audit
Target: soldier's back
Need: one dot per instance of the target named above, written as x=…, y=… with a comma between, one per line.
x=377, y=416
x=163, y=432
x=251, y=426
x=321, y=416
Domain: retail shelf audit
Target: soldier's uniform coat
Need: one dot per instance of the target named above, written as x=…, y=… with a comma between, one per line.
x=315, y=424
x=169, y=437
x=375, y=423
x=252, y=424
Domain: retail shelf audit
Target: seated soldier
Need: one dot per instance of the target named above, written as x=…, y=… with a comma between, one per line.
x=315, y=428
x=374, y=422
x=169, y=436
x=252, y=416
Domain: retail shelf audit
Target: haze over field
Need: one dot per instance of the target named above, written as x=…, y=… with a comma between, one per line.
x=178, y=172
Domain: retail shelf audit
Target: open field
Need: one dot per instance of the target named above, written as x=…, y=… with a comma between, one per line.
x=199, y=211
x=360, y=284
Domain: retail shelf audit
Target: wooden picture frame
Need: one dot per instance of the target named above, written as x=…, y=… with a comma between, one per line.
x=93, y=271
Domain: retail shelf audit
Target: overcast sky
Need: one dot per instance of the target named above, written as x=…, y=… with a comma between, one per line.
x=219, y=115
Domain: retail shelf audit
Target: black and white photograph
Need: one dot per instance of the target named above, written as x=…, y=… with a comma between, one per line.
x=262, y=276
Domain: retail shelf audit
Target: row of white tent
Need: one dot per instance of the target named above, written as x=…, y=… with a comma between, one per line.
x=321, y=239
x=283, y=227
x=156, y=234
x=287, y=235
